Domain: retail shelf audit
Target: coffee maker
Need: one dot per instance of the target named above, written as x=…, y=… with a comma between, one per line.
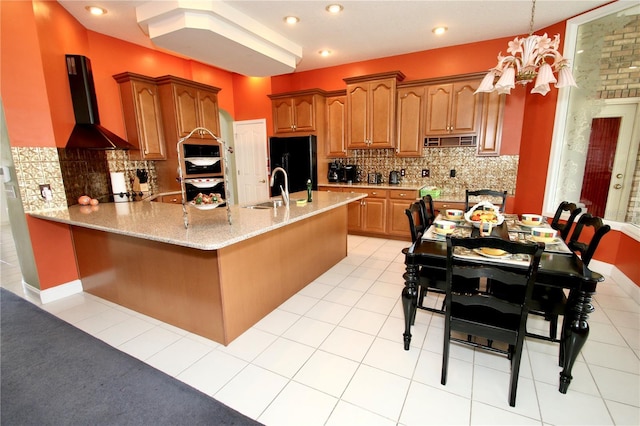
x=349, y=173
x=334, y=172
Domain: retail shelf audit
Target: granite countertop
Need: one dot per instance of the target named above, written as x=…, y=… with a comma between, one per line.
x=445, y=196
x=208, y=229
x=408, y=186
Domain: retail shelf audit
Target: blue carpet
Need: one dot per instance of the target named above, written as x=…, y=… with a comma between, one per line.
x=55, y=374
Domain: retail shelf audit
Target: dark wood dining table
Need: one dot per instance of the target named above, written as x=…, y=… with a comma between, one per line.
x=557, y=269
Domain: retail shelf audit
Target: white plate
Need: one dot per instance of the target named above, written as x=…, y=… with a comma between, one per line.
x=556, y=240
x=541, y=225
x=205, y=206
x=203, y=183
x=492, y=256
x=203, y=161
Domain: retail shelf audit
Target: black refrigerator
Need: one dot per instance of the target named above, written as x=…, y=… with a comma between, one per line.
x=298, y=156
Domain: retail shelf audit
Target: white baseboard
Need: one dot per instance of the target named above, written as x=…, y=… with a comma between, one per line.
x=626, y=284
x=58, y=292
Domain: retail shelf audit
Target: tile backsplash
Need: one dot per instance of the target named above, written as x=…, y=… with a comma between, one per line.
x=471, y=172
x=71, y=173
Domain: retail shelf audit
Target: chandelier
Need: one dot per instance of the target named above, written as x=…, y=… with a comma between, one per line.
x=533, y=57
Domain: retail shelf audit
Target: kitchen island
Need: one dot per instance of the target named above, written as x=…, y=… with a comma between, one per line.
x=213, y=278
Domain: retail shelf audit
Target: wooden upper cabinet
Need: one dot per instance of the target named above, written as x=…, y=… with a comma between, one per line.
x=296, y=112
x=142, y=115
x=336, y=126
x=371, y=110
x=490, y=134
x=410, y=136
x=452, y=109
x=187, y=105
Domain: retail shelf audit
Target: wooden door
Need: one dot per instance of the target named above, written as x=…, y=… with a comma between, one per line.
x=250, y=140
x=410, y=139
x=398, y=221
x=357, y=116
x=438, y=109
x=336, y=122
x=382, y=114
x=282, y=115
x=375, y=214
x=149, y=121
x=304, y=114
x=600, y=156
x=208, y=113
x=464, y=108
x=354, y=216
x=186, y=109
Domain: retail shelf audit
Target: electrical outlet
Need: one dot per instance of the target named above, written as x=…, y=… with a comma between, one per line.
x=401, y=172
x=425, y=172
x=45, y=192
x=452, y=173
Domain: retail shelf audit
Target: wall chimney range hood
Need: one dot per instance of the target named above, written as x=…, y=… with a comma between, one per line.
x=88, y=133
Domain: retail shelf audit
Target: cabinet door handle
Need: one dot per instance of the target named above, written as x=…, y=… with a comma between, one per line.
x=263, y=181
x=402, y=194
x=374, y=193
x=617, y=186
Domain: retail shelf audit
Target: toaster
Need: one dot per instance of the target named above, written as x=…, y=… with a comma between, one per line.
x=374, y=178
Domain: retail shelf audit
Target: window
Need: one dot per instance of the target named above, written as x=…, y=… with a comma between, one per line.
x=594, y=155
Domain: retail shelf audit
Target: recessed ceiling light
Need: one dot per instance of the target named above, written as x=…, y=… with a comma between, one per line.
x=95, y=10
x=439, y=30
x=334, y=8
x=291, y=20
x=325, y=52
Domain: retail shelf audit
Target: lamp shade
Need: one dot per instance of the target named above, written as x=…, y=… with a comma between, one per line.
x=506, y=81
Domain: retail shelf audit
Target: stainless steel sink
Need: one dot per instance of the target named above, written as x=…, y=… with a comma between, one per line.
x=271, y=204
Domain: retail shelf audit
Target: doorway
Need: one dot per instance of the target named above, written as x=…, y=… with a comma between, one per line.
x=250, y=138
x=609, y=168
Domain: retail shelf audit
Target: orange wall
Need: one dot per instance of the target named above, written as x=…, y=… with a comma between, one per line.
x=22, y=81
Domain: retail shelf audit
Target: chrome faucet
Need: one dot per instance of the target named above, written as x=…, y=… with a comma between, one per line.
x=283, y=192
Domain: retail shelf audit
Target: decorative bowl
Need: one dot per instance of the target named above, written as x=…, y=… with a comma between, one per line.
x=444, y=227
x=484, y=213
x=544, y=235
x=453, y=214
x=529, y=219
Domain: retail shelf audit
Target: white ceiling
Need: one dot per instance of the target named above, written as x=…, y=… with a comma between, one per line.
x=251, y=38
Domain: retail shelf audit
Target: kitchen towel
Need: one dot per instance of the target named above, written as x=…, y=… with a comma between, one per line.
x=118, y=186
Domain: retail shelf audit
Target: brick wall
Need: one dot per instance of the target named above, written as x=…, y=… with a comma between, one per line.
x=621, y=50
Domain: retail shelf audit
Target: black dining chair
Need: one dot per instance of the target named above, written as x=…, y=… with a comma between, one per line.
x=429, y=211
x=551, y=302
x=490, y=314
x=419, y=222
x=497, y=198
x=565, y=227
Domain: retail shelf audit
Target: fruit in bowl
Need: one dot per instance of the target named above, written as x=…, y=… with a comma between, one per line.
x=444, y=227
x=484, y=214
x=453, y=214
x=531, y=219
x=544, y=235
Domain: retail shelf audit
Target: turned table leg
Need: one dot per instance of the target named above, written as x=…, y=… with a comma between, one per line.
x=409, y=301
x=575, y=333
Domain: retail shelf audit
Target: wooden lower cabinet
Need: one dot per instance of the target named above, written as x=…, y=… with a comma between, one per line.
x=399, y=201
x=443, y=205
x=381, y=214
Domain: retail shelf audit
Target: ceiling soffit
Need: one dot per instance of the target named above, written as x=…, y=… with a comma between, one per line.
x=216, y=34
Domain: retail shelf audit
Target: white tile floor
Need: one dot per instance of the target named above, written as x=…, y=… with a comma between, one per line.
x=333, y=355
